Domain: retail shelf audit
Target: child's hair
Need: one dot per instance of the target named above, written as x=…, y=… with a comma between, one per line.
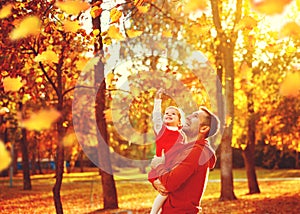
x=178, y=113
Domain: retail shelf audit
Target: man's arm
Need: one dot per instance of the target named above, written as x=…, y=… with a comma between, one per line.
x=173, y=179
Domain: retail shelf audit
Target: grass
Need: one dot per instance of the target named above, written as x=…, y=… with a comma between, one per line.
x=82, y=193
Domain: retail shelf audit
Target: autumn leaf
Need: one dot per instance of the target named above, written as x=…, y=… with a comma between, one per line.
x=71, y=26
x=194, y=5
x=29, y=26
x=73, y=7
x=12, y=84
x=291, y=29
x=5, y=158
x=47, y=56
x=5, y=11
x=96, y=11
x=81, y=63
x=247, y=22
x=290, y=87
x=270, y=7
x=115, y=15
x=108, y=115
x=70, y=139
x=41, y=120
x=143, y=9
x=133, y=33
x=298, y=4
x=167, y=33
x=114, y=33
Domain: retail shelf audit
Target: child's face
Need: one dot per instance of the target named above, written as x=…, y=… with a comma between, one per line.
x=171, y=117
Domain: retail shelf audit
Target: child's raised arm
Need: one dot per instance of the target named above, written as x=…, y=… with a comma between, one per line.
x=156, y=114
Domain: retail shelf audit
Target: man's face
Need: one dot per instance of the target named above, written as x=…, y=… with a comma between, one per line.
x=192, y=123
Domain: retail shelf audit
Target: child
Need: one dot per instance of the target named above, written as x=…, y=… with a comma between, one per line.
x=168, y=133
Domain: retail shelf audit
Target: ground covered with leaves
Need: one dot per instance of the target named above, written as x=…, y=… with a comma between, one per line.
x=82, y=193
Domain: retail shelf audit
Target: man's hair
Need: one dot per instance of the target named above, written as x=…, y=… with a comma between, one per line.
x=212, y=121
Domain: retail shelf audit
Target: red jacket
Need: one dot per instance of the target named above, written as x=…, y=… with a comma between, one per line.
x=184, y=175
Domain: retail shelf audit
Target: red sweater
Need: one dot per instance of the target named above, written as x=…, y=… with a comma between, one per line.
x=166, y=139
x=187, y=180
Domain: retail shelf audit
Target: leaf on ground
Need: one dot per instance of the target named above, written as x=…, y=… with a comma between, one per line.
x=193, y=6
x=41, y=120
x=73, y=7
x=291, y=29
x=47, y=56
x=29, y=26
x=71, y=26
x=5, y=158
x=5, y=11
x=270, y=7
x=133, y=33
x=12, y=84
x=290, y=86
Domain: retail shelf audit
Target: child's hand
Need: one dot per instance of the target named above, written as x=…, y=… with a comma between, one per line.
x=158, y=160
x=159, y=93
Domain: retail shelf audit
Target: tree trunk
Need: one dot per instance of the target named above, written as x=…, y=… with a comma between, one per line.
x=25, y=162
x=25, y=159
x=248, y=153
x=110, y=198
x=227, y=192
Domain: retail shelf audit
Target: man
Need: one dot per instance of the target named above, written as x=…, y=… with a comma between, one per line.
x=184, y=172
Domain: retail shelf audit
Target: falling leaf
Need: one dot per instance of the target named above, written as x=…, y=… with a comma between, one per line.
x=133, y=33
x=143, y=9
x=73, y=7
x=5, y=11
x=194, y=5
x=12, y=84
x=48, y=56
x=270, y=7
x=29, y=26
x=290, y=87
x=69, y=139
x=291, y=29
x=5, y=158
x=114, y=33
x=96, y=11
x=247, y=22
x=71, y=26
x=41, y=120
x=115, y=15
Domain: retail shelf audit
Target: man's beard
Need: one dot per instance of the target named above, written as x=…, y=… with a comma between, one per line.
x=190, y=133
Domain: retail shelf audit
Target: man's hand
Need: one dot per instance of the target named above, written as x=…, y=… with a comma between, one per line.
x=159, y=187
x=158, y=160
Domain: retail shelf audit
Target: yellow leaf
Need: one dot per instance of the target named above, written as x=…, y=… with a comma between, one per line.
x=167, y=33
x=115, y=15
x=108, y=115
x=290, y=87
x=73, y=7
x=71, y=26
x=228, y=120
x=270, y=7
x=41, y=120
x=291, y=29
x=96, y=11
x=138, y=2
x=133, y=33
x=114, y=33
x=70, y=139
x=194, y=5
x=27, y=27
x=298, y=4
x=12, y=84
x=143, y=9
x=96, y=32
x=47, y=56
x=5, y=158
x=81, y=63
x=5, y=11
x=247, y=22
